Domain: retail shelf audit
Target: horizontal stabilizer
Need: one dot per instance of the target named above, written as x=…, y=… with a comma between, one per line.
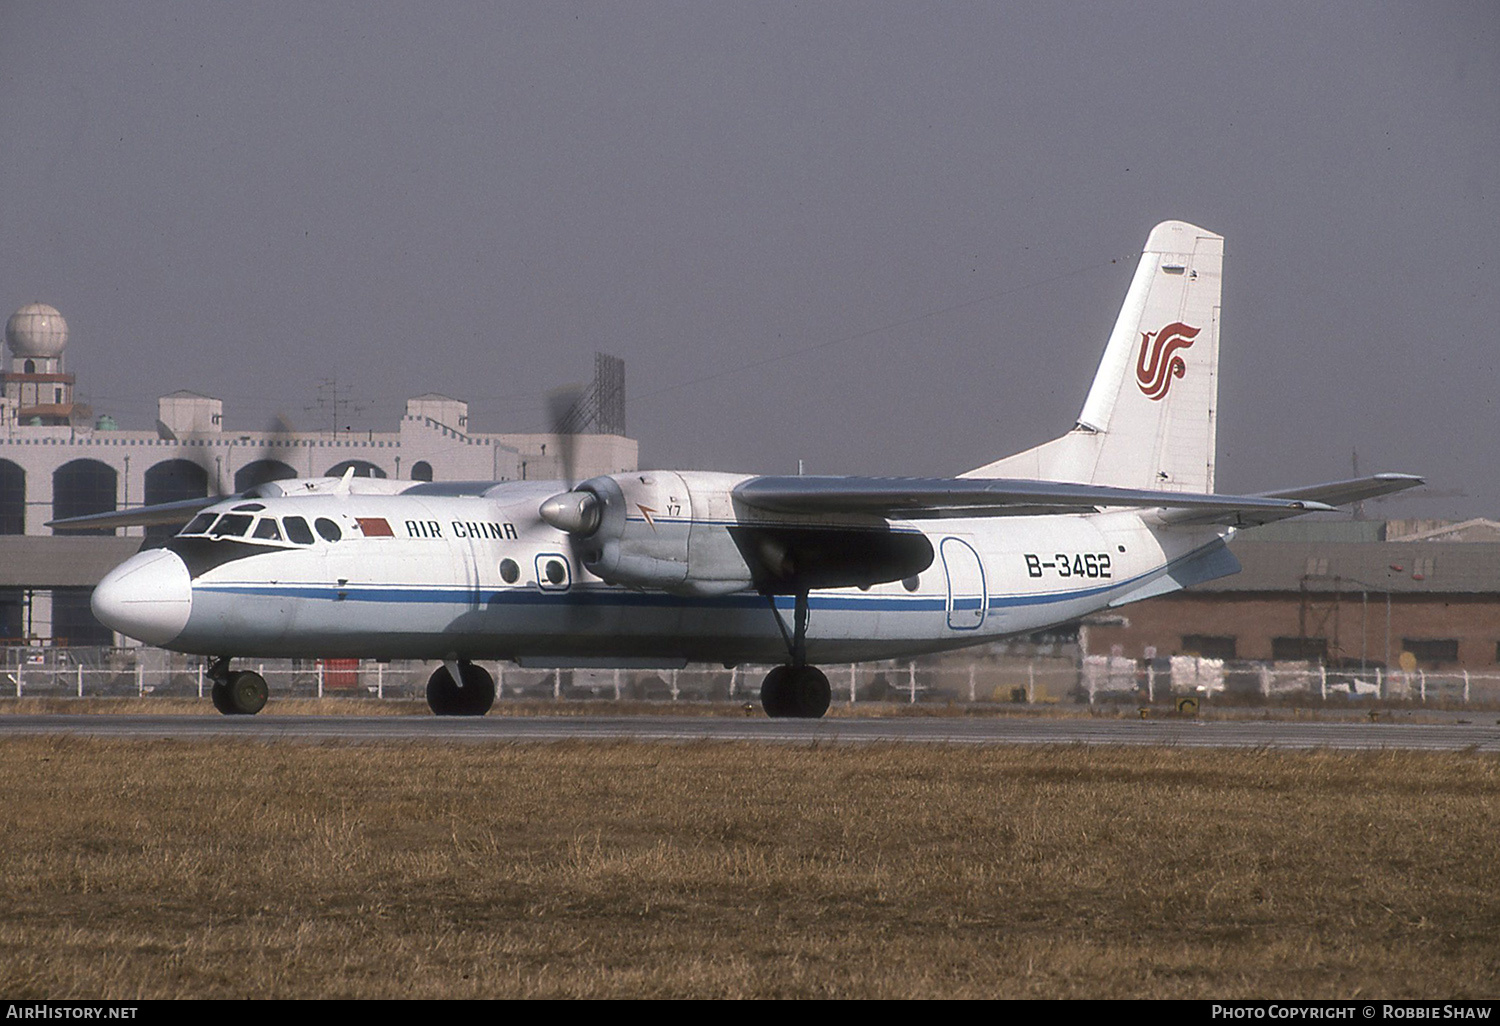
x=980, y=497
x=1341, y=493
x=1335, y=493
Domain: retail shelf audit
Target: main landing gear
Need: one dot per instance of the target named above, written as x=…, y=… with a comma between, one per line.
x=446, y=697
x=795, y=691
x=237, y=693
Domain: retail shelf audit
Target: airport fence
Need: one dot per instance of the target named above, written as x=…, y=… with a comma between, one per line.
x=981, y=678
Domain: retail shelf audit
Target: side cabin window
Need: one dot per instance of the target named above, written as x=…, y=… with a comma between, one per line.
x=298, y=531
x=328, y=529
x=266, y=529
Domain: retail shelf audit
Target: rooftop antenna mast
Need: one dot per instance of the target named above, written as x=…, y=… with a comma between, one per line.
x=337, y=404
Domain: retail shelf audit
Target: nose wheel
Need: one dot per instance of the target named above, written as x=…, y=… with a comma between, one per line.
x=237, y=693
x=795, y=691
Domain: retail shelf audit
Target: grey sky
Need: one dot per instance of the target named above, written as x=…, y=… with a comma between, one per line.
x=875, y=236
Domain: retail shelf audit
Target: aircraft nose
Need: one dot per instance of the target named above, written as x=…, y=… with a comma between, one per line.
x=148, y=597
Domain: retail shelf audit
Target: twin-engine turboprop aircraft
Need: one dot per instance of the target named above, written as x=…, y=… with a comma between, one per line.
x=659, y=568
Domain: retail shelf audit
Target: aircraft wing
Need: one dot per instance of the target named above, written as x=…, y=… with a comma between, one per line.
x=183, y=510
x=179, y=512
x=919, y=498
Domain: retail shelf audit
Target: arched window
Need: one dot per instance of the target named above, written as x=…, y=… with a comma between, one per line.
x=421, y=471
x=260, y=472
x=362, y=468
x=80, y=487
x=171, y=481
x=12, y=498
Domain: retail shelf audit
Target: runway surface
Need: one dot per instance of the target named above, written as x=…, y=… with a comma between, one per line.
x=937, y=730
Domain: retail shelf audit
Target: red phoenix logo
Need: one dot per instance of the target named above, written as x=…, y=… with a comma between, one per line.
x=1159, y=362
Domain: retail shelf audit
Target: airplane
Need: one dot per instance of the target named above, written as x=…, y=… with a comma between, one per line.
x=660, y=568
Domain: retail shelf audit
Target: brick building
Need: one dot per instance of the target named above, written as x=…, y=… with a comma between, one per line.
x=1345, y=593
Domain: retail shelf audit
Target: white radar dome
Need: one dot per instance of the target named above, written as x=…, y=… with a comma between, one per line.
x=37, y=330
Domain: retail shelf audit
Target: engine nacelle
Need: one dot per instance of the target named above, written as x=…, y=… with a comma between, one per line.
x=644, y=535
x=683, y=533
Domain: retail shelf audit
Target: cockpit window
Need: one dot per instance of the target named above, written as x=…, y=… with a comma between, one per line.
x=328, y=529
x=199, y=524
x=232, y=525
x=266, y=528
x=298, y=531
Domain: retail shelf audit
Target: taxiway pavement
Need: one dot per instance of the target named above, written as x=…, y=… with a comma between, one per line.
x=1277, y=734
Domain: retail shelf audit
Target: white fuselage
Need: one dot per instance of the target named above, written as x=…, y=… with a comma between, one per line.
x=480, y=577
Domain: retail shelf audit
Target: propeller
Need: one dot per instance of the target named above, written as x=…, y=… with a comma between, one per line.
x=576, y=511
x=565, y=418
x=270, y=453
x=225, y=482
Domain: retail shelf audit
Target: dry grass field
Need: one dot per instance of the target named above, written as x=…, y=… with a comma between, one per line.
x=241, y=869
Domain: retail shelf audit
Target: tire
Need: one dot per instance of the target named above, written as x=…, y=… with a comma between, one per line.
x=220, y=694
x=776, y=693
x=442, y=693
x=811, y=693
x=446, y=698
x=478, y=690
x=246, y=694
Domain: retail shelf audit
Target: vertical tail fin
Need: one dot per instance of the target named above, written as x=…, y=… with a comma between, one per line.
x=1149, y=420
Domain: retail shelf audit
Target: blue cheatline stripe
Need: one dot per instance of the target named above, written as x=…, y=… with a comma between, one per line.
x=609, y=596
x=578, y=596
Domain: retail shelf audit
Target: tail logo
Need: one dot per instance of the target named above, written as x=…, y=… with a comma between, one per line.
x=1159, y=362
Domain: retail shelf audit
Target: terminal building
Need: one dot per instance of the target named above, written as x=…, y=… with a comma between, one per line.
x=57, y=459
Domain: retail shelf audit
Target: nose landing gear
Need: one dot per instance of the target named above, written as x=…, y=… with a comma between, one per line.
x=237, y=693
